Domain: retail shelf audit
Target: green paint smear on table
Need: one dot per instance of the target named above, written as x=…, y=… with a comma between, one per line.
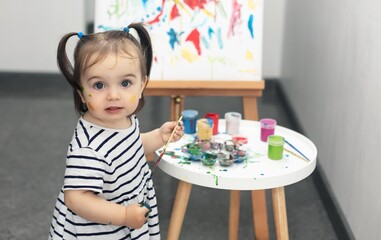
x=170, y=153
x=250, y=159
x=256, y=155
x=215, y=177
x=185, y=162
x=173, y=155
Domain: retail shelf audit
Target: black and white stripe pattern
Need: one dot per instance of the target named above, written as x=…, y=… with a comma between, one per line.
x=112, y=164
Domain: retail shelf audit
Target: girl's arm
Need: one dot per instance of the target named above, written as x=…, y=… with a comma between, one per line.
x=157, y=138
x=96, y=209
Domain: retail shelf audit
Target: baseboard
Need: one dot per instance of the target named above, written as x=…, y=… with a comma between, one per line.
x=33, y=84
x=326, y=195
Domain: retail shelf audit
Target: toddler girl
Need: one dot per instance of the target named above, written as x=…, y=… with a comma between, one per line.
x=108, y=192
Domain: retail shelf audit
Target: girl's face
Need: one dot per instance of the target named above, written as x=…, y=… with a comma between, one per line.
x=111, y=89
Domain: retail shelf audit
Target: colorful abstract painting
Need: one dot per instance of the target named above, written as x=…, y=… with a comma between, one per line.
x=194, y=39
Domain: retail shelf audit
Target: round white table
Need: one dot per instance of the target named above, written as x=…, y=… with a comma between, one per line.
x=258, y=172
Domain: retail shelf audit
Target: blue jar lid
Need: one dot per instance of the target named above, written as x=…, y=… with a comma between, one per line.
x=210, y=122
x=189, y=113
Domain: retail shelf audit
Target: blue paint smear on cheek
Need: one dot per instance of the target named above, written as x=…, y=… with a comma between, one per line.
x=250, y=24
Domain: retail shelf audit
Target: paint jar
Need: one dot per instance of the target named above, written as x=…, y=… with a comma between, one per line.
x=210, y=159
x=217, y=144
x=239, y=139
x=225, y=159
x=267, y=128
x=204, y=129
x=229, y=145
x=233, y=120
x=189, y=120
x=238, y=156
x=215, y=117
x=275, y=147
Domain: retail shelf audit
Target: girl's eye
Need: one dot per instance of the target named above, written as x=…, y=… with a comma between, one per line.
x=99, y=85
x=125, y=83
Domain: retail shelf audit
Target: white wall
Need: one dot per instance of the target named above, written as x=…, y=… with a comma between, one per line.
x=273, y=20
x=31, y=31
x=331, y=73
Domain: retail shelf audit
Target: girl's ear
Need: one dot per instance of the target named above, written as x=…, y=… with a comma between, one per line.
x=145, y=81
x=144, y=84
x=80, y=93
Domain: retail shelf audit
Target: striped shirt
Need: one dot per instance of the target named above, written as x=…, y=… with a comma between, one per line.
x=112, y=164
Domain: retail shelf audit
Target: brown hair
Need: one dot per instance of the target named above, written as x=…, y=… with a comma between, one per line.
x=100, y=45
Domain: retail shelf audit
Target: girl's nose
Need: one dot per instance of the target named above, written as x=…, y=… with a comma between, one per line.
x=113, y=94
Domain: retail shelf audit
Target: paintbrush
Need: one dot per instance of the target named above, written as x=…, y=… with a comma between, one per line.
x=296, y=155
x=166, y=145
x=296, y=149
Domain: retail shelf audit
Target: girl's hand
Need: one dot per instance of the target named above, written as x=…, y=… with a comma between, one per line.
x=158, y=137
x=167, y=128
x=136, y=215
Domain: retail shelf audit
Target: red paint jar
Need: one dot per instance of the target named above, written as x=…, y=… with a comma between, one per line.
x=215, y=118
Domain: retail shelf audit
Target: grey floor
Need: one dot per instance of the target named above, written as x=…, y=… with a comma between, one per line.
x=37, y=120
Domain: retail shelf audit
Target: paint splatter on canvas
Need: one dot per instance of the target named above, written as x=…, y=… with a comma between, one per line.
x=194, y=40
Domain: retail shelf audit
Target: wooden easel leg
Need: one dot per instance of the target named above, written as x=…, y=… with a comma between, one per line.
x=235, y=197
x=178, y=210
x=258, y=202
x=280, y=213
x=250, y=110
x=177, y=106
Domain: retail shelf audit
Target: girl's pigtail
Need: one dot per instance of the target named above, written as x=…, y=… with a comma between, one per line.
x=63, y=61
x=145, y=42
x=67, y=70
